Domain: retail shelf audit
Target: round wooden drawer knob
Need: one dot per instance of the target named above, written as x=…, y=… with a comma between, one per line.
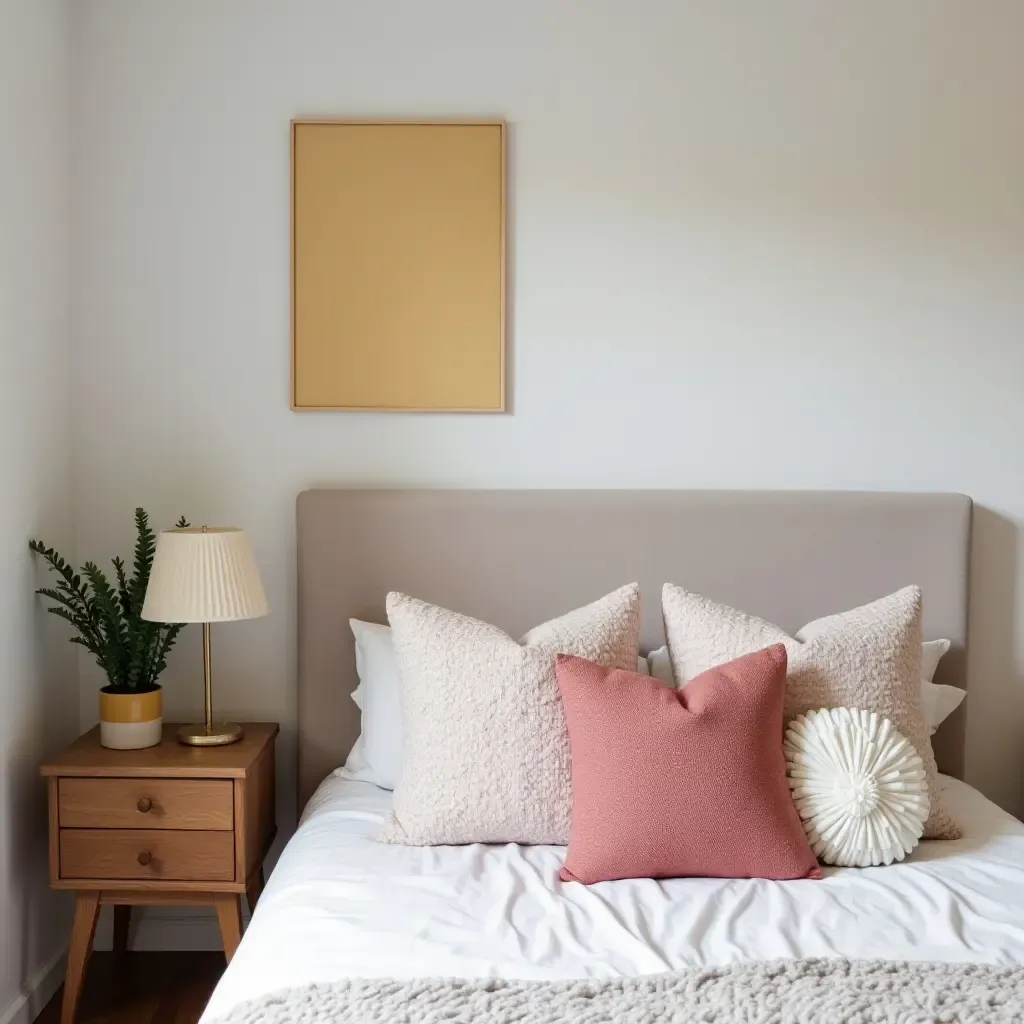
x=145, y=805
x=145, y=857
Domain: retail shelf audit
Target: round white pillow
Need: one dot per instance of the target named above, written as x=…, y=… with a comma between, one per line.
x=858, y=785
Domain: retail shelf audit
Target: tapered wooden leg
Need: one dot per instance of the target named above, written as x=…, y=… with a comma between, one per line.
x=87, y=907
x=254, y=889
x=229, y=917
x=122, y=921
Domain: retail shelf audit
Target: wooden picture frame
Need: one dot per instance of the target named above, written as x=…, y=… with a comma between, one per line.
x=398, y=264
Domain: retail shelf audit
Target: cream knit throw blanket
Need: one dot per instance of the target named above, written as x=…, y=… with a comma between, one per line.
x=783, y=991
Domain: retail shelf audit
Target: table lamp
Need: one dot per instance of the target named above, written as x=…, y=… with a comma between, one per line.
x=204, y=574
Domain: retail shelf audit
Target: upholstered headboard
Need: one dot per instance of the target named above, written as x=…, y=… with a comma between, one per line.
x=517, y=558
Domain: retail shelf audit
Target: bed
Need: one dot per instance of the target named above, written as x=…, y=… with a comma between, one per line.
x=341, y=906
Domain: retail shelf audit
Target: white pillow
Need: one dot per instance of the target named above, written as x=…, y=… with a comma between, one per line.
x=485, y=751
x=377, y=754
x=868, y=657
x=931, y=654
x=661, y=666
x=938, y=702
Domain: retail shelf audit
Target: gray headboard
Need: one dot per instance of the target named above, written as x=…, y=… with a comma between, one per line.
x=518, y=558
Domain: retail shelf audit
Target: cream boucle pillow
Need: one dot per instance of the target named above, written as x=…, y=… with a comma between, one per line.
x=867, y=658
x=485, y=755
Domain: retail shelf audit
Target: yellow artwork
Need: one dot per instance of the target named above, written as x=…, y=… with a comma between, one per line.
x=398, y=265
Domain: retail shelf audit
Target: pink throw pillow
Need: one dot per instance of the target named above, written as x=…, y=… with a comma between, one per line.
x=690, y=783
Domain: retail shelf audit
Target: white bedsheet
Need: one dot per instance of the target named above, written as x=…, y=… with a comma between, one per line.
x=340, y=905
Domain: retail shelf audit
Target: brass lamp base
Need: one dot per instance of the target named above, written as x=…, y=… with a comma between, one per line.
x=216, y=734
x=209, y=733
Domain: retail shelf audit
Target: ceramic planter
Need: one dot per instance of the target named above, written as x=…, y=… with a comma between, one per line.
x=130, y=721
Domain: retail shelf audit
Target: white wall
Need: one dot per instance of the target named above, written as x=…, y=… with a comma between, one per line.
x=37, y=669
x=753, y=245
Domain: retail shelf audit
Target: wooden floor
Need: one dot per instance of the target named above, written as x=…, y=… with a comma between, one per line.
x=143, y=988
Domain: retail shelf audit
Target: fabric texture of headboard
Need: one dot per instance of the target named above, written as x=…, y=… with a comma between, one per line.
x=518, y=558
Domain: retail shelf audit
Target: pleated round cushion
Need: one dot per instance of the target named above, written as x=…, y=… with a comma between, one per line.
x=859, y=786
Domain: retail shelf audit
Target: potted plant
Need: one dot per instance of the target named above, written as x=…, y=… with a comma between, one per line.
x=130, y=650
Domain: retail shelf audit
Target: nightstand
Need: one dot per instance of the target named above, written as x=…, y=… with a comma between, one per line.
x=169, y=824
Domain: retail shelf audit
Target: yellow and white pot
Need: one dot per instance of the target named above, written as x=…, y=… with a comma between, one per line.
x=130, y=721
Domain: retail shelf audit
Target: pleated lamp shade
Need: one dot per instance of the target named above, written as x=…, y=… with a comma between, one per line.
x=204, y=574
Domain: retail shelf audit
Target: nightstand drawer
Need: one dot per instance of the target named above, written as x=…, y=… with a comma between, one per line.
x=146, y=803
x=147, y=853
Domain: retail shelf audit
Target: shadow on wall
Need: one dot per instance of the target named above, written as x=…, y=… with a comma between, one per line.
x=48, y=720
x=995, y=705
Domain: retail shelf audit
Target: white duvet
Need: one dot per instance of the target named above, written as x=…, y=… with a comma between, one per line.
x=341, y=905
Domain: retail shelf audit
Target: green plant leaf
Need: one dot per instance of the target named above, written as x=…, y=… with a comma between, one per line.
x=108, y=618
x=145, y=549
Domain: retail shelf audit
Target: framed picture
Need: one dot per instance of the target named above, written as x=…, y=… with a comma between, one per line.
x=398, y=265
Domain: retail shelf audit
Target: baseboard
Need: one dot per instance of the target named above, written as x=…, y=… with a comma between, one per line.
x=157, y=929
x=38, y=991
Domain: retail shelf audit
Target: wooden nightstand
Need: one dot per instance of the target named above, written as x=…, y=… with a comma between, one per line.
x=170, y=824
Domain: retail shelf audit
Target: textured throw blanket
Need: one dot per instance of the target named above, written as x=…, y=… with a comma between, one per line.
x=798, y=991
